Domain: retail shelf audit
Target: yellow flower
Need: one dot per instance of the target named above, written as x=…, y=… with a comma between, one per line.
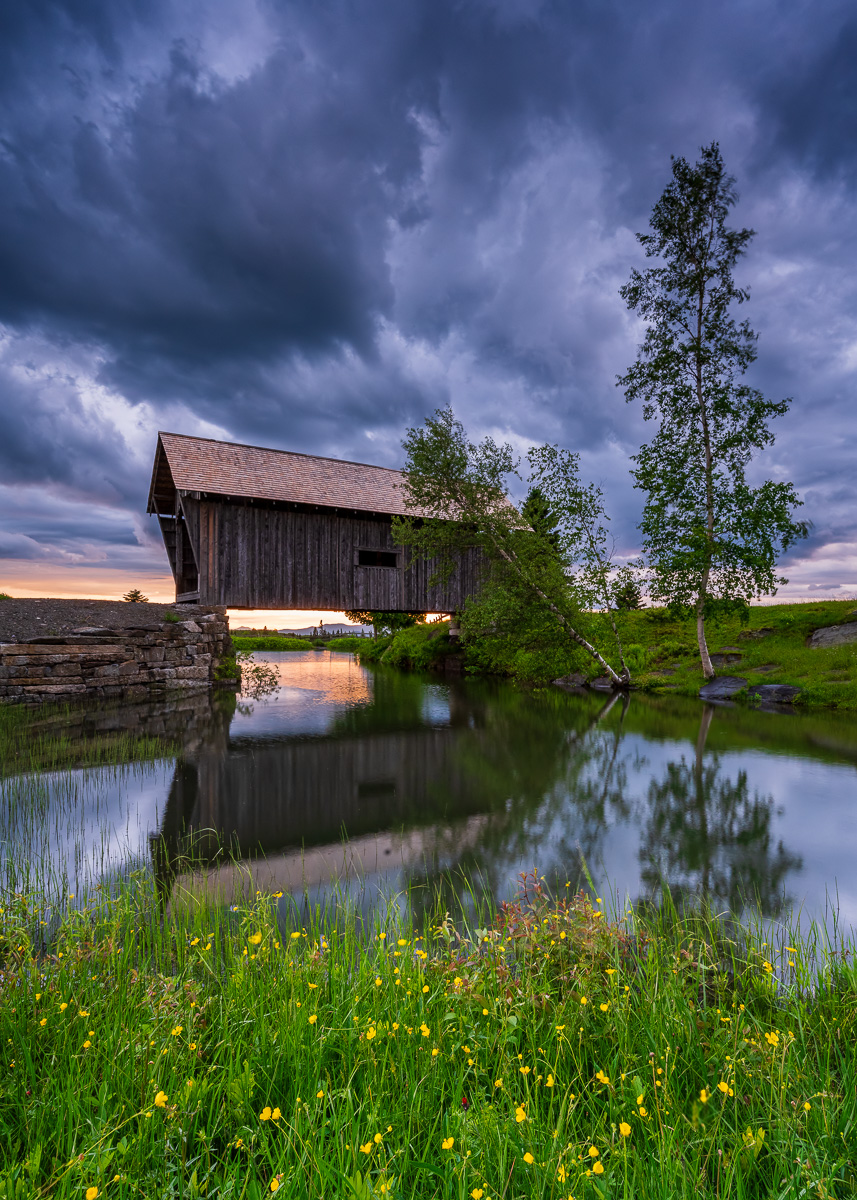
x=640, y=1098
x=625, y=1129
x=520, y=1115
x=477, y=1194
x=63, y=1006
x=583, y=1000
x=161, y=1100
x=528, y=1158
x=601, y=1077
x=276, y=1114
x=87, y=1044
x=425, y=987
x=549, y=1081
x=642, y=1111
x=772, y=1039
x=296, y=935
x=367, y=1149
x=83, y=1013
x=265, y=1114
x=723, y=1087
x=703, y=1096
x=91, y=1193
x=424, y=1030
x=254, y=939
x=320, y=1094
x=807, y=1105
x=370, y=1033
x=524, y=1070
x=604, y=1007
x=446, y=1144
x=435, y=1052
x=275, y=1185
x=312, y=1020
x=176, y=1030
x=560, y=1174
x=498, y=1083
x=43, y=1021
x=593, y=1151
x=598, y=1168
x=378, y=1139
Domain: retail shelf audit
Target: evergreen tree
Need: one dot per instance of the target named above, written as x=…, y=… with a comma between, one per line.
x=711, y=540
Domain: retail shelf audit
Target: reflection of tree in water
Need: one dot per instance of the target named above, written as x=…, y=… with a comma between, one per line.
x=550, y=775
x=708, y=837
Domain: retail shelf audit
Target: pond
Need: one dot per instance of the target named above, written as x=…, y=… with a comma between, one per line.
x=377, y=783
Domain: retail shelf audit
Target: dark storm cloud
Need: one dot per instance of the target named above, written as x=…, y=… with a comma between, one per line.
x=309, y=224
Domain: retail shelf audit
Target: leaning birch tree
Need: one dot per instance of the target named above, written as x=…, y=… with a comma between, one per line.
x=457, y=492
x=710, y=539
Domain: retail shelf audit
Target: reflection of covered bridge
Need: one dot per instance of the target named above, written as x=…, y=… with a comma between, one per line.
x=254, y=528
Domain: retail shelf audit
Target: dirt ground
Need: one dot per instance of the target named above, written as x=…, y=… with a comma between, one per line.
x=23, y=619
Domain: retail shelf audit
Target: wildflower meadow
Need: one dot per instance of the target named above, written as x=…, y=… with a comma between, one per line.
x=545, y=1050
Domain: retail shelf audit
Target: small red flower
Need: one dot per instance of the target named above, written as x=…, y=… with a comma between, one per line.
x=465, y=1103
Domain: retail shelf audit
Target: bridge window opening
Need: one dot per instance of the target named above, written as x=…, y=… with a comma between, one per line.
x=377, y=558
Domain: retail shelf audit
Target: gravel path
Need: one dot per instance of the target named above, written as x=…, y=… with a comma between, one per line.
x=23, y=619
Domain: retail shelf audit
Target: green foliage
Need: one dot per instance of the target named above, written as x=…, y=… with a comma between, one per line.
x=227, y=669
x=711, y=540
x=420, y=647
x=628, y=595
x=349, y=644
x=5, y=596
x=459, y=490
x=236, y=1053
x=135, y=596
x=271, y=642
x=537, y=513
x=172, y=618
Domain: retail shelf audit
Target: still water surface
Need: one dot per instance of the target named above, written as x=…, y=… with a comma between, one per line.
x=375, y=782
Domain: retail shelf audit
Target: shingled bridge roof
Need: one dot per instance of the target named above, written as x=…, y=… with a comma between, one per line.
x=253, y=472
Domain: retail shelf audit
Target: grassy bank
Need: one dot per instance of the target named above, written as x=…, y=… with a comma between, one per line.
x=549, y=1053
x=662, y=652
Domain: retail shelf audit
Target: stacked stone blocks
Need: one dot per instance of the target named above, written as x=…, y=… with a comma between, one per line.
x=136, y=663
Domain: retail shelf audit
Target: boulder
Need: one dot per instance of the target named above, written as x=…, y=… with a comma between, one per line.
x=722, y=688
x=834, y=635
x=571, y=682
x=724, y=658
x=774, y=693
x=753, y=635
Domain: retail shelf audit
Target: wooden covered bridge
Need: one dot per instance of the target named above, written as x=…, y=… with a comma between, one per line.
x=250, y=527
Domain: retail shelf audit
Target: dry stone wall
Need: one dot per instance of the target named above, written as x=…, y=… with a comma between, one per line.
x=136, y=663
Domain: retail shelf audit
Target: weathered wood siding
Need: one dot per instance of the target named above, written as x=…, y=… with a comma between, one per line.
x=258, y=556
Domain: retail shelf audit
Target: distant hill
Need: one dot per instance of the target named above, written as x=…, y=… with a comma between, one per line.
x=337, y=630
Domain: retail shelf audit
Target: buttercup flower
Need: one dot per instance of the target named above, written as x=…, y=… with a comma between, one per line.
x=276, y=1114
x=254, y=939
x=625, y=1129
x=520, y=1115
x=703, y=1096
x=446, y=1144
x=477, y=1194
x=161, y=1100
x=528, y=1158
x=723, y=1087
x=593, y=1151
x=313, y=1019
x=265, y=1114
x=91, y=1193
x=598, y=1168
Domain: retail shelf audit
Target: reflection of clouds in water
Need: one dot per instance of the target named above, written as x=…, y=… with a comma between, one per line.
x=315, y=687
x=84, y=825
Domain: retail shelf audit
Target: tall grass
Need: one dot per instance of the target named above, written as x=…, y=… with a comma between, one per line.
x=544, y=1050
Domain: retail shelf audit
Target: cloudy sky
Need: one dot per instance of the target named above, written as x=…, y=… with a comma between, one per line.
x=309, y=224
